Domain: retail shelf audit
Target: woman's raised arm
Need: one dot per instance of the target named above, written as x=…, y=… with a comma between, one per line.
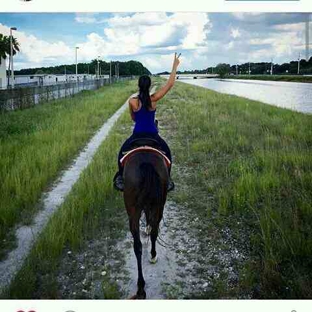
x=164, y=90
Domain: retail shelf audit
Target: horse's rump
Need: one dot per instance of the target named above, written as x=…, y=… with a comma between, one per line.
x=146, y=181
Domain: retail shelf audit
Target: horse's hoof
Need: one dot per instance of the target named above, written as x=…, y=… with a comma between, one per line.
x=139, y=295
x=153, y=260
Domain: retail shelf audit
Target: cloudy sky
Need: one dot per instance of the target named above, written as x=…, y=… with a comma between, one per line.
x=204, y=39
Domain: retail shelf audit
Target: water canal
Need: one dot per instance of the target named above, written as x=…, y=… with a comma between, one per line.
x=293, y=95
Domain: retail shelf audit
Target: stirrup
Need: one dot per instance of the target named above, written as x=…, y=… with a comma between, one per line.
x=119, y=183
x=170, y=186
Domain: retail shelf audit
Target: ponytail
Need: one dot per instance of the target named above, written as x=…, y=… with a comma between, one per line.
x=144, y=94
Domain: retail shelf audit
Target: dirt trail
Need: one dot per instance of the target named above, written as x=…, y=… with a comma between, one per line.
x=166, y=270
x=183, y=270
x=51, y=201
x=81, y=274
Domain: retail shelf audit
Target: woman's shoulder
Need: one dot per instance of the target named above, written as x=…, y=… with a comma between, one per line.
x=134, y=103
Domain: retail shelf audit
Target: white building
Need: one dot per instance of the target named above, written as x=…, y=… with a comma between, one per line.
x=50, y=79
x=42, y=79
x=3, y=77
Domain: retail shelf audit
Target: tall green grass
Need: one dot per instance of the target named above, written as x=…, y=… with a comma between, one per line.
x=35, y=144
x=245, y=159
x=92, y=209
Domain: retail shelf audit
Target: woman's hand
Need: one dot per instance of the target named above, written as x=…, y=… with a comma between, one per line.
x=163, y=91
x=176, y=60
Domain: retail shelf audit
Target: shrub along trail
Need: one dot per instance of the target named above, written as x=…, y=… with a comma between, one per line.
x=238, y=224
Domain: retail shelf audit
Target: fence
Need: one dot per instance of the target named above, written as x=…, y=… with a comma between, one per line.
x=20, y=98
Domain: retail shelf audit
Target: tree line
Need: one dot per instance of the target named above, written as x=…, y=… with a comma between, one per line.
x=262, y=68
x=125, y=69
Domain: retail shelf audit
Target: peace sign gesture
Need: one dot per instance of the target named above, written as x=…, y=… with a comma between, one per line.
x=176, y=60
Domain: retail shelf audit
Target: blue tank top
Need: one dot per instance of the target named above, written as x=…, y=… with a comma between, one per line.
x=145, y=121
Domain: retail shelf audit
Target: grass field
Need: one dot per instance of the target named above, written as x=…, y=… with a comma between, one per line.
x=290, y=78
x=35, y=144
x=93, y=209
x=238, y=163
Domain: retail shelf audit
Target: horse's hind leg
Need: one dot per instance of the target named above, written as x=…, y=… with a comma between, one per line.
x=154, y=235
x=137, y=245
x=155, y=221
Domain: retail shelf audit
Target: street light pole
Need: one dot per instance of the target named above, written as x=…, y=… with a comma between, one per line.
x=11, y=56
x=77, y=64
x=98, y=67
x=110, y=72
x=307, y=33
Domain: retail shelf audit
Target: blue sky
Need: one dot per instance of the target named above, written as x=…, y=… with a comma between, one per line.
x=204, y=39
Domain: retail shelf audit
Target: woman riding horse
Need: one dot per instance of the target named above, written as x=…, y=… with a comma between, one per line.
x=142, y=110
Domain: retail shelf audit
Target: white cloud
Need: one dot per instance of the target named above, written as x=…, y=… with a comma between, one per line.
x=146, y=33
x=291, y=27
x=87, y=18
x=137, y=20
x=230, y=45
x=153, y=37
x=36, y=50
x=163, y=62
x=247, y=16
x=235, y=33
x=279, y=44
x=124, y=35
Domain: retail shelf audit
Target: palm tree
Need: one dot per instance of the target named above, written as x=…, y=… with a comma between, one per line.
x=5, y=48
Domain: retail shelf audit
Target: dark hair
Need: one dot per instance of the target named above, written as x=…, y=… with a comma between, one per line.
x=144, y=95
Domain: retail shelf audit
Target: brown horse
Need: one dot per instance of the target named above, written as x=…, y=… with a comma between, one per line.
x=146, y=181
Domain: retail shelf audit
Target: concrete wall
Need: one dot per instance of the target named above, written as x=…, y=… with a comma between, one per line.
x=3, y=78
x=20, y=98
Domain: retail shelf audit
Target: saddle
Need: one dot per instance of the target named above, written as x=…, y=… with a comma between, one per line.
x=147, y=145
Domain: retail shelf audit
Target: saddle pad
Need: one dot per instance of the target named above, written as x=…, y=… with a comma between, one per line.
x=145, y=148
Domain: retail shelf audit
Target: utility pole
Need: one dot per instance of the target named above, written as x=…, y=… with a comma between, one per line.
x=110, y=72
x=11, y=58
x=117, y=70
x=249, y=69
x=65, y=73
x=271, y=66
x=98, y=67
x=236, y=69
x=307, y=33
x=77, y=63
x=298, y=64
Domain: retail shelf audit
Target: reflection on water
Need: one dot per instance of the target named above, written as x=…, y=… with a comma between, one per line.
x=293, y=95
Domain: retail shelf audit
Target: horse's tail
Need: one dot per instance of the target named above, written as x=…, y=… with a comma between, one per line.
x=151, y=196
